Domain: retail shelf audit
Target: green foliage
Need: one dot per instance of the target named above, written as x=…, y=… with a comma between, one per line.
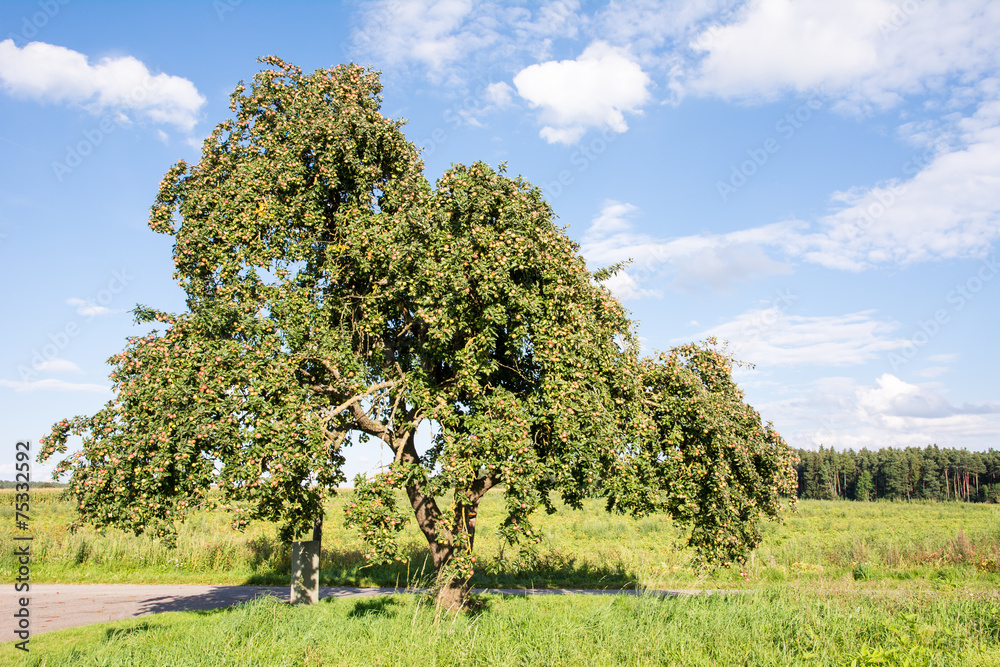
x=372, y=510
x=332, y=292
x=710, y=462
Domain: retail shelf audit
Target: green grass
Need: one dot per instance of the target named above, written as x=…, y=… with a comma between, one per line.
x=765, y=627
x=838, y=583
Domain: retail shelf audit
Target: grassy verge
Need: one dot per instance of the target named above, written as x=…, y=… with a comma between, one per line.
x=766, y=627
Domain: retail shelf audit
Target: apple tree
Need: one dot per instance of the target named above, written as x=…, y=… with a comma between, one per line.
x=333, y=292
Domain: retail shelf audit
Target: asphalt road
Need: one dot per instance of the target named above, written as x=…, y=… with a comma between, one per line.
x=59, y=606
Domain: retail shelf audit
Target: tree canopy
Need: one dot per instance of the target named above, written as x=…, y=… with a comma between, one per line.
x=332, y=293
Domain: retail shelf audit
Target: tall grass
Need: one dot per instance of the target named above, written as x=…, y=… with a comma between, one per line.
x=841, y=543
x=768, y=627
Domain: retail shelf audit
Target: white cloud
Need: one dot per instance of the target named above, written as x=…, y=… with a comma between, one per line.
x=869, y=52
x=947, y=208
x=842, y=413
x=892, y=397
x=438, y=34
x=626, y=288
x=499, y=94
x=88, y=308
x=51, y=384
x=433, y=33
x=715, y=260
x=650, y=24
x=611, y=220
x=772, y=337
x=593, y=91
x=56, y=365
x=50, y=73
x=950, y=208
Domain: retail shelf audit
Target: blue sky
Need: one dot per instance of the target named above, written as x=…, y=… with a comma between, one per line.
x=817, y=183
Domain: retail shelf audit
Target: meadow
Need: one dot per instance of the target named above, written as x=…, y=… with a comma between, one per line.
x=838, y=582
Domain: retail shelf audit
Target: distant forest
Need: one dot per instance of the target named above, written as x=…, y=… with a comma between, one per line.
x=931, y=473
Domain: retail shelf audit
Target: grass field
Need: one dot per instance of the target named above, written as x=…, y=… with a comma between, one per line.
x=825, y=543
x=837, y=583
x=765, y=627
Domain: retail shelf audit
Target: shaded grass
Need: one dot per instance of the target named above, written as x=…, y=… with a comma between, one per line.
x=766, y=627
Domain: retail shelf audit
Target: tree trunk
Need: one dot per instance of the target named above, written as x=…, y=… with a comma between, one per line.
x=453, y=595
x=318, y=528
x=445, y=539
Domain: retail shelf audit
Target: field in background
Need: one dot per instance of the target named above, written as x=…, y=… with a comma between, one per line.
x=838, y=583
x=825, y=543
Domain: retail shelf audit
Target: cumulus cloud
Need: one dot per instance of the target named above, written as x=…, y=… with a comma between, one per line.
x=892, y=397
x=430, y=33
x=946, y=207
x=651, y=24
x=840, y=412
x=864, y=55
x=869, y=52
x=593, y=91
x=49, y=73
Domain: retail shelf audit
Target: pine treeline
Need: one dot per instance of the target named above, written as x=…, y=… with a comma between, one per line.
x=931, y=473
